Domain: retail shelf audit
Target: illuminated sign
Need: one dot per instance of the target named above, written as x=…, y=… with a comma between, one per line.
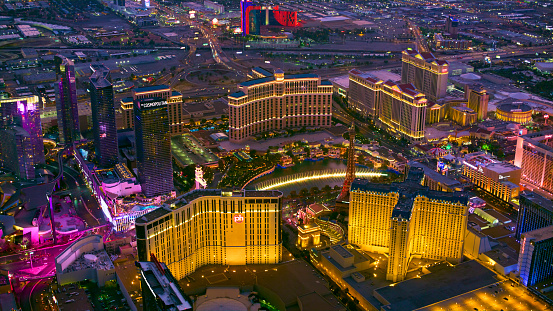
x=153, y=104
x=238, y=218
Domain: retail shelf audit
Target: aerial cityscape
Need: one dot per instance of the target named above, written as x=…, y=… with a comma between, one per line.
x=249, y=155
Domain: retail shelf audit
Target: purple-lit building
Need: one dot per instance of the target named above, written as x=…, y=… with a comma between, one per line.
x=21, y=143
x=103, y=117
x=66, y=101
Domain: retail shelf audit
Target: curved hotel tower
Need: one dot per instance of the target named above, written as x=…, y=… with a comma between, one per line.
x=213, y=227
x=279, y=102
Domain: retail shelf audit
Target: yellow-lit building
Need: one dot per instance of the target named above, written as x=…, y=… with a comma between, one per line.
x=309, y=235
x=463, y=116
x=401, y=108
x=175, y=107
x=427, y=73
x=406, y=220
x=501, y=179
x=213, y=227
x=279, y=102
x=518, y=112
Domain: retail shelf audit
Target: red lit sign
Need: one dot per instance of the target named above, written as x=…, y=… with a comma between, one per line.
x=238, y=218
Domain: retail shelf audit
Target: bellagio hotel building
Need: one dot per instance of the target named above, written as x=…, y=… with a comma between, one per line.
x=279, y=102
x=406, y=220
x=210, y=226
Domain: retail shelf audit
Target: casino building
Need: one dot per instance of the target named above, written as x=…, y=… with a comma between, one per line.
x=406, y=220
x=279, y=102
x=209, y=226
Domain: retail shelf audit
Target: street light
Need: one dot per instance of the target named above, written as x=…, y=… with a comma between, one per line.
x=31, y=258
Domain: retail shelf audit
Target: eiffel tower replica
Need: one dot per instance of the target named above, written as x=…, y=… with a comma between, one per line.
x=343, y=199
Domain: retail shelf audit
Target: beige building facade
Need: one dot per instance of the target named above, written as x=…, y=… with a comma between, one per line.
x=213, y=227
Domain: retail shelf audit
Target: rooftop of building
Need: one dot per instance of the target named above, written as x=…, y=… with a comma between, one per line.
x=537, y=138
x=262, y=71
x=444, y=282
x=538, y=235
x=503, y=256
x=188, y=197
x=498, y=232
x=477, y=159
x=514, y=106
x=164, y=286
x=433, y=175
x=408, y=191
x=342, y=251
x=272, y=78
x=537, y=199
x=152, y=88
x=463, y=109
x=97, y=259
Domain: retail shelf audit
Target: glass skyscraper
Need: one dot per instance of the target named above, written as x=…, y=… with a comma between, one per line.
x=535, y=212
x=153, y=146
x=66, y=101
x=21, y=143
x=103, y=117
x=536, y=255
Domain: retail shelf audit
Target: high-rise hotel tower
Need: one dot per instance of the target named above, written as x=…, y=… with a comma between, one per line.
x=103, y=117
x=279, y=102
x=153, y=145
x=209, y=226
x=426, y=73
x=21, y=145
x=534, y=155
x=401, y=107
x=66, y=101
x=405, y=220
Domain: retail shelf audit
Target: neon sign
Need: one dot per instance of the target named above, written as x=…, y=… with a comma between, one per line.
x=238, y=218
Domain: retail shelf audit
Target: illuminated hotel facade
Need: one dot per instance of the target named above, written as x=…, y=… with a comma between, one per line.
x=21, y=143
x=66, y=101
x=279, y=102
x=211, y=226
x=400, y=107
x=175, y=107
x=406, y=220
x=501, y=179
x=426, y=73
x=534, y=154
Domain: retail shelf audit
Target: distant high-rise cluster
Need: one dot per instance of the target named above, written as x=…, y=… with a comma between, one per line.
x=213, y=227
x=103, y=117
x=21, y=143
x=279, y=102
x=405, y=220
x=66, y=101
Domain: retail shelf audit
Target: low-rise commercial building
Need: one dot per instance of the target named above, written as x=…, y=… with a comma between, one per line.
x=501, y=179
x=515, y=111
x=85, y=259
